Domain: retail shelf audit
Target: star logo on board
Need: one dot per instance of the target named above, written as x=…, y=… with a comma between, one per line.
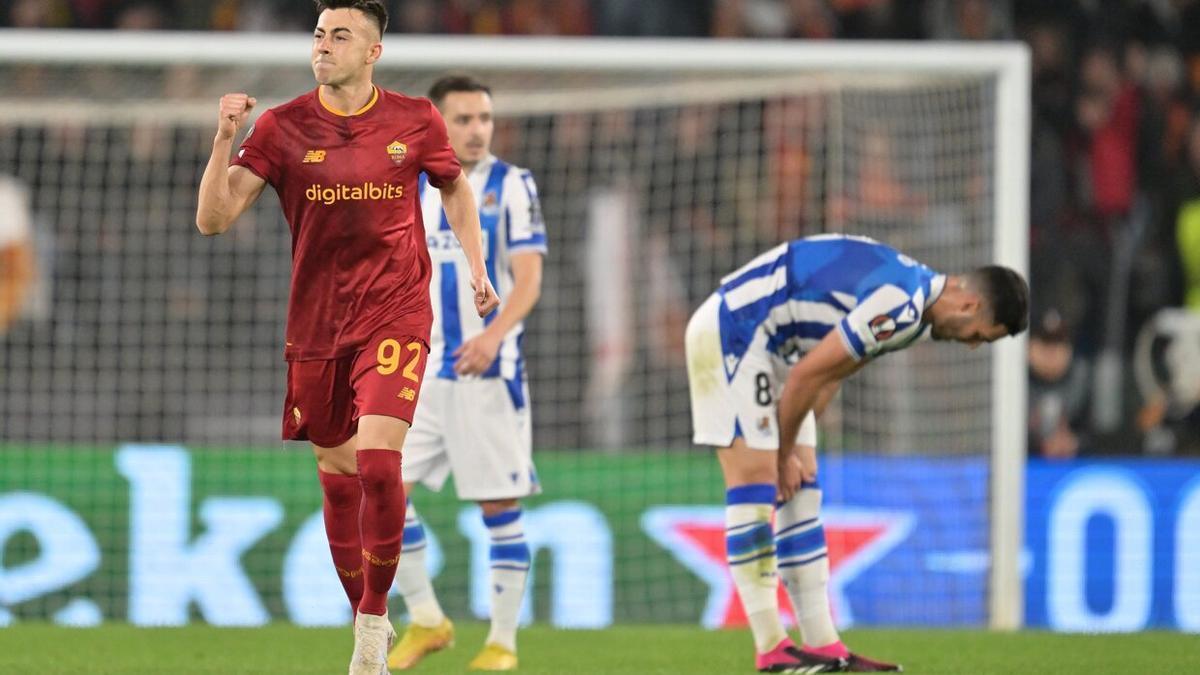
x=857, y=538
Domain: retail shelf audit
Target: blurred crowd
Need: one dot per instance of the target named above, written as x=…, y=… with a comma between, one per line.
x=1115, y=181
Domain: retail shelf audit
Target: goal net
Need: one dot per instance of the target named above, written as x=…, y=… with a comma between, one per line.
x=140, y=392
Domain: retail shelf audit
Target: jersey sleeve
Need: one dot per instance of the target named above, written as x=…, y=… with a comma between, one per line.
x=438, y=160
x=258, y=149
x=884, y=320
x=526, y=230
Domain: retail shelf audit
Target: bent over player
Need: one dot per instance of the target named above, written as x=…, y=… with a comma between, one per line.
x=769, y=347
x=475, y=369
x=344, y=160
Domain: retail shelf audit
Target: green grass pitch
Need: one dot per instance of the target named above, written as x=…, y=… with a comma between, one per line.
x=632, y=650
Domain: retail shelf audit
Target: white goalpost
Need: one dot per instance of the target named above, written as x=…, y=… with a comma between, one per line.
x=672, y=161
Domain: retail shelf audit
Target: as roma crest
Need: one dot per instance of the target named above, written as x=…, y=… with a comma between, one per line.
x=397, y=151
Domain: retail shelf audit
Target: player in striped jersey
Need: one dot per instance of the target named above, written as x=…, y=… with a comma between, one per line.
x=767, y=350
x=474, y=414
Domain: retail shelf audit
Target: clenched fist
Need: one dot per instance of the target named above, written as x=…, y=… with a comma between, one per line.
x=235, y=108
x=486, y=299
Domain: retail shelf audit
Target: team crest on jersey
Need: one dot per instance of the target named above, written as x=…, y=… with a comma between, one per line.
x=397, y=151
x=882, y=327
x=490, y=203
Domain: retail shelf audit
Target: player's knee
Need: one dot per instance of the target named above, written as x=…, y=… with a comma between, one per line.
x=335, y=460
x=379, y=477
x=743, y=466
x=381, y=431
x=494, y=507
x=343, y=497
x=752, y=475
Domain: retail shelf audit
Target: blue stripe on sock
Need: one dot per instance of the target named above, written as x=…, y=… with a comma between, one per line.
x=413, y=549
x=795, y=526
x=734, y=563
x=798, y=563
x=509, y=552
x=802, y=543
x=413, y=535
x=502, y=518
x=810, y=485
x=756, y=539
x=756, y=493
x=514, y=537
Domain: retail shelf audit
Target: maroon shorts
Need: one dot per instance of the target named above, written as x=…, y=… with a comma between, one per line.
x=325, y=398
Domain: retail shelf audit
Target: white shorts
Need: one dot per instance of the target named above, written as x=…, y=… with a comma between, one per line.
x=473, y=429
x=724, y=408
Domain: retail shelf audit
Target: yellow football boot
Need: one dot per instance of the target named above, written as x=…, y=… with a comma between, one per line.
x=494, y=657
x=419, y=641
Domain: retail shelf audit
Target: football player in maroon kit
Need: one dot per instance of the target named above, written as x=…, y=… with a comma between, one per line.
x=344, y=160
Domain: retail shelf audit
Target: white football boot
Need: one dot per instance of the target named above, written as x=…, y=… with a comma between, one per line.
x=373, y=637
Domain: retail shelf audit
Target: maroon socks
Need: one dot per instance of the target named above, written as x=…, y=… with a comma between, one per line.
x=381, y=525
x=343, y=500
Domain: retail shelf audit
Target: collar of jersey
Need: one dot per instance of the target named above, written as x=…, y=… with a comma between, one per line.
x=936, y=285
x=337, y=113
x=484, y=164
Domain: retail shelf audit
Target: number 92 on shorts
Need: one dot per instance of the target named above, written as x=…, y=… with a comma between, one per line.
x=325, y=398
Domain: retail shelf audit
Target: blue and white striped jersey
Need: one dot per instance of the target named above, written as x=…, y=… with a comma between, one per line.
x=511, y=219
x=793, y=295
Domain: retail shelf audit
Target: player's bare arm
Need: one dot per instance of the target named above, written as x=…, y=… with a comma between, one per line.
x=226, y=191
x=477, y=354
x=459, y=205
x=820, y=370
x=801, y=465
x=827, y=393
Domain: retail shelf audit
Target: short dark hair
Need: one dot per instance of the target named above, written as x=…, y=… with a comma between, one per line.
x=451, y=83
x=372, y=8
x=1007, y=293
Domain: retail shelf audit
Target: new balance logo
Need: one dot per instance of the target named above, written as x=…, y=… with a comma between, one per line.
x=314, y=156
x=407, y=394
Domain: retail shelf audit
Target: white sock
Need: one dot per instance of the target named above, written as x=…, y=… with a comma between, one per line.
x=411, y=576
x=750, y=551
x=510, y=560
x=804, y=565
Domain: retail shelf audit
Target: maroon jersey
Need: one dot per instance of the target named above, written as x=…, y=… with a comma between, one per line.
x=348, y=187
